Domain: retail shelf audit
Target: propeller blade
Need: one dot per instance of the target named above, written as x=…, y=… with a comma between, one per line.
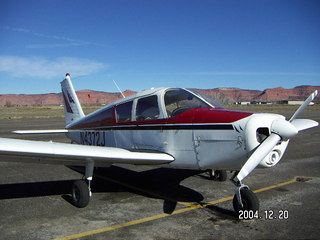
x=304, y=105
x=303, y=124
x=260, y=153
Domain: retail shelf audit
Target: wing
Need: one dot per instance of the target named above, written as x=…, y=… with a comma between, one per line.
x=74, y=154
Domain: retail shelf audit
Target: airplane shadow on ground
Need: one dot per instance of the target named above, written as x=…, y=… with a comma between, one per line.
x=160, y=183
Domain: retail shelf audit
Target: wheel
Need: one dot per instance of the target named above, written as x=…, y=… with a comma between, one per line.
x=249, y=200
x=218, y=175
x=80, y=194
x=210, y=173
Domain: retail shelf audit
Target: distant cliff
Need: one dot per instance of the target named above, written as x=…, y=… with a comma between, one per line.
x=231, y=95
x=223, y=95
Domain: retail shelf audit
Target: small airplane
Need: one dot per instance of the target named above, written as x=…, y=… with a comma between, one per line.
x=170, y=127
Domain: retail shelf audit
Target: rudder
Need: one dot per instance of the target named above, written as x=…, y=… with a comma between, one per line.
x=72, y=107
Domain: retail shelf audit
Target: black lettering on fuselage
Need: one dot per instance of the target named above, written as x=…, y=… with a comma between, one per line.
x=93, y=138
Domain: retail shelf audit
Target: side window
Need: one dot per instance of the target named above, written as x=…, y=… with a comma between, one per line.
x=123, y=112
x=147, y=108
x=106, y=117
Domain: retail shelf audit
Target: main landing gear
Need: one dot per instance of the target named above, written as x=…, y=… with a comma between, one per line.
x=217, y=175
x=244, y=199
x=80, y=193
x=81, y=189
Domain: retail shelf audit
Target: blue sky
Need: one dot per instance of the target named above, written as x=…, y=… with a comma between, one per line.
x=249, y=44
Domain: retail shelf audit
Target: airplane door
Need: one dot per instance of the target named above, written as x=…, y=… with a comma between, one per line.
x=148, y=133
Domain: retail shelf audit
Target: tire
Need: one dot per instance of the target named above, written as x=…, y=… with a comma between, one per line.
x=80, y=194
x=249, y=200
x=221, y=175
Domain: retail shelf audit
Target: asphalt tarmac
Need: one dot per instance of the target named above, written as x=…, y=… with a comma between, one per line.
x=139, y=202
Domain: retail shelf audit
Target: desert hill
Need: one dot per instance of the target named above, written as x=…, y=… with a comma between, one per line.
x=223, y=95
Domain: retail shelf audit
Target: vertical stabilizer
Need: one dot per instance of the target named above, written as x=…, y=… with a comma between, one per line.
x=72, y=107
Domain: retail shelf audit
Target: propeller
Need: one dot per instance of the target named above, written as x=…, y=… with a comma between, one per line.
x=304, y=105
x=281, y=129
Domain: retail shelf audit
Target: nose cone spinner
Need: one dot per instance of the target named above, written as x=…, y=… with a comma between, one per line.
x=283, y=128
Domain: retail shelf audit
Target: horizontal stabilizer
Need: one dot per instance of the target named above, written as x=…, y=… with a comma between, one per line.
x=40, y=131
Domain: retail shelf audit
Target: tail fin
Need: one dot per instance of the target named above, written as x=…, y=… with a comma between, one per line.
x=72, y=107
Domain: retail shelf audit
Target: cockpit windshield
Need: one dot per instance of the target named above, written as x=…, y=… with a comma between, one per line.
x=178, y=101
x=213, y=102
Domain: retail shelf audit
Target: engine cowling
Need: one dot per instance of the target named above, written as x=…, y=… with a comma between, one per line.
x=259, y=128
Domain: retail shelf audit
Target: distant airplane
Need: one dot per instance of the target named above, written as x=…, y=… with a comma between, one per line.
x=171, y=127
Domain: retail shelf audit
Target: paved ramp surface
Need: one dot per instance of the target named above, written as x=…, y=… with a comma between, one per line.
x=139, y=203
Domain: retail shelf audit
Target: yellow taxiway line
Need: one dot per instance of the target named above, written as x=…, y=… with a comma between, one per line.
x=189, y=207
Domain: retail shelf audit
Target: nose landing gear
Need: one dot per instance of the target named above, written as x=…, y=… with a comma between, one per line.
x=244, y=199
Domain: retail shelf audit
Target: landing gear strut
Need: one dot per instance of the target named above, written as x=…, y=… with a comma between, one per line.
x=244, y=199
x=218, y=175
x=81, y=189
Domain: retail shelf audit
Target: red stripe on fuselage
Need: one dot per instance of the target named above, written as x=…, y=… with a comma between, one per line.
x=209, y=115
x=194, y=116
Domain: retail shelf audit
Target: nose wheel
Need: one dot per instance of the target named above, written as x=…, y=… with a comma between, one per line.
x=245, y=200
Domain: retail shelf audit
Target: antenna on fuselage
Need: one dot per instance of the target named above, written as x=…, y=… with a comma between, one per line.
x=118, y=88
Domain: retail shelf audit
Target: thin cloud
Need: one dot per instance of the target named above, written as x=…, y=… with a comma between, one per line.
x=246, y=73
x=62, y=40
x=53, y=45
x=40, y=67
x=17, y=29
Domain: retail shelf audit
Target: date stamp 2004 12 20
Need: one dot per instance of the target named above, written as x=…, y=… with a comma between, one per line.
x=266, y=214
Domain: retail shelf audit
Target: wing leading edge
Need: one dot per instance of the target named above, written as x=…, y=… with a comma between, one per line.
x=74, y=154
